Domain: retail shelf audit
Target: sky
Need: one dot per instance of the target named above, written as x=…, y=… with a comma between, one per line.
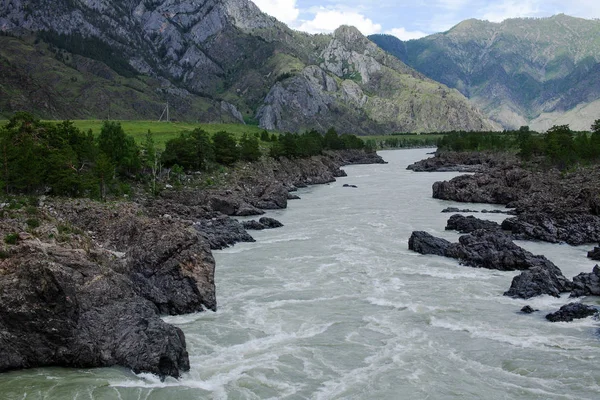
x=413, y=19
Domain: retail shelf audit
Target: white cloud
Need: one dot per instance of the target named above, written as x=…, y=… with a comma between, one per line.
x=403, y=34
x=285, y=11
x=326, y=21
x=498, y=12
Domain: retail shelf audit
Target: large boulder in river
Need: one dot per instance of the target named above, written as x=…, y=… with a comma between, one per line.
x=469, y=224
x=270, y=223
x=571, y=311
x=424, y=243
x=538, y=281
x=494, y=250
x=587, y=284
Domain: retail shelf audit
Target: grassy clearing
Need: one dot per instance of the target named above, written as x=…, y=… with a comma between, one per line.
x=163, y=131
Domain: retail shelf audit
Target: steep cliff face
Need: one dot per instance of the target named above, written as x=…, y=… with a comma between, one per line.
x=518, y=72
x=359, y=88
x=228, y=51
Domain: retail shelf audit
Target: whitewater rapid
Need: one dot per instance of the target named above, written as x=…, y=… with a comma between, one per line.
x=334, y=306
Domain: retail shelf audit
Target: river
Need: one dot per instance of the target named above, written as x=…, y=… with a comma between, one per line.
x=334, y=306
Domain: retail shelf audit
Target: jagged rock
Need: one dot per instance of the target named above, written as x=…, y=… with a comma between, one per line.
x=498, y=212
x=538, y=281
x=270, y=223
x=495, y=250
x=59, y=307
x=457, y=210
x=253, y=225
x=594, y=254
x=555, y=226
x=528, y=310
x=571, y=311
x=273, y=197
x=247, y=210
x=293, y=197
x=469, y=224
x=587, y=284
x=458, y=161
x=222, y=232
x=497, y=186
x=424, y=243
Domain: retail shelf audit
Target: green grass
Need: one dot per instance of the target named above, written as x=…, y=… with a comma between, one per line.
x=163, y=131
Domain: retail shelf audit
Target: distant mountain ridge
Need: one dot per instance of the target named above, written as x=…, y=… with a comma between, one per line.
x=225, y=59
x=537, y=72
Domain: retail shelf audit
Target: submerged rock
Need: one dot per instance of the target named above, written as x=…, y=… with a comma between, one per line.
x=528, y=310
x=571, y=311
x=457, y=210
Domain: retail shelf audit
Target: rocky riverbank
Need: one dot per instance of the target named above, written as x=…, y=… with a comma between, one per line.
x=83, y=284
x=547, y=205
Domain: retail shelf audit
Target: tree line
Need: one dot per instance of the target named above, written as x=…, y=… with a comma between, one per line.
x=57, y=158
x=559, y=146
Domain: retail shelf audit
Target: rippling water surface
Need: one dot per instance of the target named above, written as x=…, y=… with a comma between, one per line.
x=334, y=306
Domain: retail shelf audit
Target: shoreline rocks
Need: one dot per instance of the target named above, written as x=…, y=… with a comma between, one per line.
x=87, y=287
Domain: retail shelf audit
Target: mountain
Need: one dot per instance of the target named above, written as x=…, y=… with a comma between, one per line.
x=536, y=72
x=213, y=60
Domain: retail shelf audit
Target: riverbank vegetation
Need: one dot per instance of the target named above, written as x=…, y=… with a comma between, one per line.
x=38, y=157
x=558, y=147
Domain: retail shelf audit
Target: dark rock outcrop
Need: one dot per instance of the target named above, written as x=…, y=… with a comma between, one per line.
x=457, y=210
x=263, y=223
x=555, y=226
x=469, y=224
x=494, y=250
x=253, y=225
x=496, y=186
x=65, y=307
x=528, y=310
x=270, y=223
x=571, y=311
x=587, y=284
x=222, y=232
x=594, y=254
x=455, y=161
x=349, y=186
x=424, y=243
x=538, y=281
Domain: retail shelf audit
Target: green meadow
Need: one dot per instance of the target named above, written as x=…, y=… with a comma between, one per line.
x=163, y=131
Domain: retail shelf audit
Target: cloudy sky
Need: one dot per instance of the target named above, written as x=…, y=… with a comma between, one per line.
x=414, y=18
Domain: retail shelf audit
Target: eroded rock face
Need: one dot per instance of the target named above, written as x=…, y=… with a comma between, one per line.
x=571, y=311
x=66, y=307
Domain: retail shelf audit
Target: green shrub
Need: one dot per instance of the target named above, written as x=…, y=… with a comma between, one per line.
x=11, y=238
x=33, y=223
